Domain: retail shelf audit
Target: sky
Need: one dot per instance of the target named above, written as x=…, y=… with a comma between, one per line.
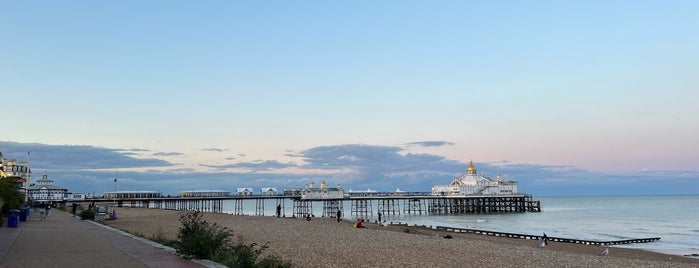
x=566, y=97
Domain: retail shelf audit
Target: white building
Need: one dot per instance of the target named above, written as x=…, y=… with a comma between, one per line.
x=43, y=191
x=18, y=171
x=324, y=192
x=204, y=193
x=133, y=194
x=74, y=197
x=243, y=191
x=268, y=191
x=472, y=183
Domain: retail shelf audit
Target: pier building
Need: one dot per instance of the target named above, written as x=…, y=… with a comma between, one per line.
x=132, y=194
x=268, y=191
x=322, y=192
x=204, y=193
x=473, y=183
x=243, y=192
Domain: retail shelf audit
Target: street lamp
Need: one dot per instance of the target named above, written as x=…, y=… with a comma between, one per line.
x=115, y=182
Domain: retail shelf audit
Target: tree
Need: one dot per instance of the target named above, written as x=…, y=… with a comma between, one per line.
x=12, y=198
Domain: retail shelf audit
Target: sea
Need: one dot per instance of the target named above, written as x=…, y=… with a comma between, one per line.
x=673, y=218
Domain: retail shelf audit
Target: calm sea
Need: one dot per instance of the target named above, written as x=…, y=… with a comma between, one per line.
x=673, y=218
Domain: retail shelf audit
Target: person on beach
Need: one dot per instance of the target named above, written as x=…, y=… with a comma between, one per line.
x=379, y=216
x=360, y=223
x=74, y=209
x=279, y=210
x=339, y=215
x=546, y=239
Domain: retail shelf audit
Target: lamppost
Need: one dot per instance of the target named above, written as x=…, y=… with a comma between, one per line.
x=115, y=182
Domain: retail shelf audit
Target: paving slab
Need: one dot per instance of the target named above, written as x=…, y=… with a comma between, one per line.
x=61, y=240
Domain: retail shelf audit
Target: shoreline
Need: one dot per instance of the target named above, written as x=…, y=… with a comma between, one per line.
x=323, y=242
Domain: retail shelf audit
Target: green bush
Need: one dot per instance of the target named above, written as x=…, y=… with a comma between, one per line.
x=201, y=239
x=87, y=214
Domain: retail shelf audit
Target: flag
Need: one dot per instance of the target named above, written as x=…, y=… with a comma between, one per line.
x=114, y=179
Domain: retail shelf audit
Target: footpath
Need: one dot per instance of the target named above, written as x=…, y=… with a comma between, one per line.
x=62, y=240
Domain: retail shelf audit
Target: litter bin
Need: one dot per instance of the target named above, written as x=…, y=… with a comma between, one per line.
x=13, y=218
x=23, y=214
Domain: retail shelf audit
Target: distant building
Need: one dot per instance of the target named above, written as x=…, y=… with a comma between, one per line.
x=472, y=183
x=243, y=192
x=18, y=171
x=132, y=194
x=43, y=191
x=367, y=192
x=204, y=193
x=295, y=191
x=75, y=197
x=268, y=191
x=323, y=192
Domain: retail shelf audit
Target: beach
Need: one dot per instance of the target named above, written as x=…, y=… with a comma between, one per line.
x=323, y=242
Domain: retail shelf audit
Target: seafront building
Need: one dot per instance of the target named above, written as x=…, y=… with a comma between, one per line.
x=18, y=171
x=43, y=191
x=472, y=183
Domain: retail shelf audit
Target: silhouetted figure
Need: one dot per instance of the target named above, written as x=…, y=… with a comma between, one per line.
x=279, y=210
x=339, y=215
x=75, y=208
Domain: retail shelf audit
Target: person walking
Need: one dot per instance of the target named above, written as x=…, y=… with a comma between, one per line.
x=279, y=210
x=75, y=209
x=339, y=215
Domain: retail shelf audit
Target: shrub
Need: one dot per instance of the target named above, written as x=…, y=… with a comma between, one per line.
x=201, y=239
x=87, y=215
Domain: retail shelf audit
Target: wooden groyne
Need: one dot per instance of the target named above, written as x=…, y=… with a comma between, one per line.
x=549, y=238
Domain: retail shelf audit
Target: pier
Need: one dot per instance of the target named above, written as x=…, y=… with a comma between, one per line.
x=362, y=205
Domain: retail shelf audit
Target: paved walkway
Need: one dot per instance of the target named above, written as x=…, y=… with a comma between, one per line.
x=64, y=241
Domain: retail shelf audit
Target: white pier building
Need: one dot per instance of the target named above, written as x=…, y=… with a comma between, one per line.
x=472, y=183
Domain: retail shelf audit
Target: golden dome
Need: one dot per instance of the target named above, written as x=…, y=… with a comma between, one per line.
x=471, y=167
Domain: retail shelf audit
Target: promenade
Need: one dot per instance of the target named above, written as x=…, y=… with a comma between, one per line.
x=62, y=240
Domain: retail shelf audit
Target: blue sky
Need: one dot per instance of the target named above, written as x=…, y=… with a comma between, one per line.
x=574, y=97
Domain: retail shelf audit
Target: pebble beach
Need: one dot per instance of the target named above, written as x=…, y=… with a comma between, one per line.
x=324, y=242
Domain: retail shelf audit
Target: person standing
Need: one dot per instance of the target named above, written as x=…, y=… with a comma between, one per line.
x=339, y=215
x=75, y=208
x=279, y=210
x=379, y=216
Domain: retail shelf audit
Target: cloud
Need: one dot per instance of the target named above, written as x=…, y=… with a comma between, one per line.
x=255, y=166
x=167, y=154
x=385, y=168
x=429, y=143
x=215, y=150
x=76, y=157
